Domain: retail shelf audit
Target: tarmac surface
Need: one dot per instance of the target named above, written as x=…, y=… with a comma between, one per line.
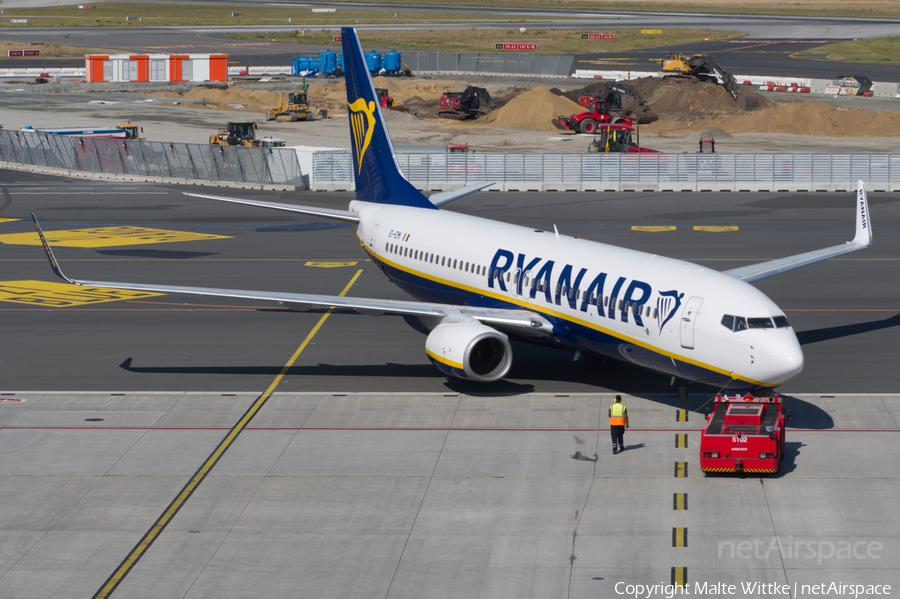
x=364, y=472
x=772, y=46
x=844, y=310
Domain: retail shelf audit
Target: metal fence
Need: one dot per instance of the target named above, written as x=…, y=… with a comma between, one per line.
x=489, y=63
x=189, y=162
x=621, y=172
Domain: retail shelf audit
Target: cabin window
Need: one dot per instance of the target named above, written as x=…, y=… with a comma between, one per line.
x=781, y=322
x=606, y=301
x=620, y=305
x=760, y=323
x=655, y=312
x=442, y=260
x=507, y=277
x=648, y=312
x=467, y=267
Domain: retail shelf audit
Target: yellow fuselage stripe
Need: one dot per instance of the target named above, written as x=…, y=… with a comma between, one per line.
x=198, y=477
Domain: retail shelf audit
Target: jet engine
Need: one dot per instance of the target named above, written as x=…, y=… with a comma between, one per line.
x=469, y=350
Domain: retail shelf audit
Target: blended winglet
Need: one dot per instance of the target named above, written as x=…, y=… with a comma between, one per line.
x=53, y=263
x=861, y=241
x=863, y=223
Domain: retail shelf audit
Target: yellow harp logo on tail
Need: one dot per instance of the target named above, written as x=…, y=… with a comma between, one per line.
x=362, y=123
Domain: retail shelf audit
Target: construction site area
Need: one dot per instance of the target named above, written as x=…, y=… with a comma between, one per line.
x=684, y=110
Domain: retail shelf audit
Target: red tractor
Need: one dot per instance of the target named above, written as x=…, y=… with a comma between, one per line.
x=744, y=434
x=384, y=99
x=605, y=109
x=617, y=138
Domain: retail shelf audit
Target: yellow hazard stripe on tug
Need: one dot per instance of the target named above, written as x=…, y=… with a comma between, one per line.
x=444, y=360
x=750, y=470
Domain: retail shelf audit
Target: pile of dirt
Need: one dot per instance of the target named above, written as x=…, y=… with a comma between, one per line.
x=533, y=109
x=252, y=100
x=799, y=118
x=675, y=97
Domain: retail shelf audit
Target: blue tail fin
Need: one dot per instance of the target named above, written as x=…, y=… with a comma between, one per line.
x=378, y=177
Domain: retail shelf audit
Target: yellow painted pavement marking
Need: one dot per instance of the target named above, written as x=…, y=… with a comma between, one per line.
x=680, y=502
x=129, y=562
x=679, y=577
x=63, y=295
x=681, y=415
x=9, y=220
x=715, y=228
x=681, y=470
x=652, y=228
x=330, y=263
x=680, y=440
x=679, y=537
x=106, y=237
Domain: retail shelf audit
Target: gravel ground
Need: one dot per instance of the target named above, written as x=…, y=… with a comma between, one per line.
x=55, y=105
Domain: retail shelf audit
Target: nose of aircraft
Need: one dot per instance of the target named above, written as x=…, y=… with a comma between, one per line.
x=780, y=357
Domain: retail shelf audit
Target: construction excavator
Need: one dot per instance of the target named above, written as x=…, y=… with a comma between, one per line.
x=606, y=109
x=472, y=103
x=704, y=68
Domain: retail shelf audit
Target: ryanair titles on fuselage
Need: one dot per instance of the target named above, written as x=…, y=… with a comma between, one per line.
x=539, y=275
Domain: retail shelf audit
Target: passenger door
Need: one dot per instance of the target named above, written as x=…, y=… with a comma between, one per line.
x=688, y=317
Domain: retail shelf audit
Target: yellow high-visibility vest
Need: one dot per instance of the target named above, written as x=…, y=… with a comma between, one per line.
x=617, y=414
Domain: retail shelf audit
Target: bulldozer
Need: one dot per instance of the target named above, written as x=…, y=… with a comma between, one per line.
x=295, y=108
x=472, y=103
x=243, y=134
x=704, y=68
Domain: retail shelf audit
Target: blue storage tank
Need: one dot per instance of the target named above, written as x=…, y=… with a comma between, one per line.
x=328, y=63
x=392, y=62
x=373, y=61
x=303, y=64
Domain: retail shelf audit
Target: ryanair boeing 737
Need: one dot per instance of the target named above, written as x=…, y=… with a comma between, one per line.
x=504, y=281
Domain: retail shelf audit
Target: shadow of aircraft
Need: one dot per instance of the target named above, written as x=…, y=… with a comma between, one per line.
x=827, y=334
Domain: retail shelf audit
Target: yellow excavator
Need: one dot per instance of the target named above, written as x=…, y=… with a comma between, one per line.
x=704, y=68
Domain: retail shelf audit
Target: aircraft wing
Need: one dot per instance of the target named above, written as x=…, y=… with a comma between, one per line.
x=535, y=323
x=342, y=215
x=861, y=241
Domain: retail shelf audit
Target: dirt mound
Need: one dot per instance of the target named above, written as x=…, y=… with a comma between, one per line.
x=800, y=118
x=534, y=109
x=674, y=97
x=714, y=133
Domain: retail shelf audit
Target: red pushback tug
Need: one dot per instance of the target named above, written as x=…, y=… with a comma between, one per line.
x=743, y=434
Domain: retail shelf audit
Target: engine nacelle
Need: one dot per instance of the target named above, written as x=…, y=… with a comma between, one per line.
x=469, y=350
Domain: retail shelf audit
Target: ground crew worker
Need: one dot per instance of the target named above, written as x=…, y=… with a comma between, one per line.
x=618, y=422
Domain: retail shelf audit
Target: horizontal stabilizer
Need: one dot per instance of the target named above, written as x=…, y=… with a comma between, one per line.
x=442, y=197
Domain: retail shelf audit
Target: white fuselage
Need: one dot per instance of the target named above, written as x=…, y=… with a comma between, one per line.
x=659, y=313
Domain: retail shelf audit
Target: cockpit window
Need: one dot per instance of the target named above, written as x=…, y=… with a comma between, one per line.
x=728, y=322
x=760, y=323
x=781, y=322
x=740, y=323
